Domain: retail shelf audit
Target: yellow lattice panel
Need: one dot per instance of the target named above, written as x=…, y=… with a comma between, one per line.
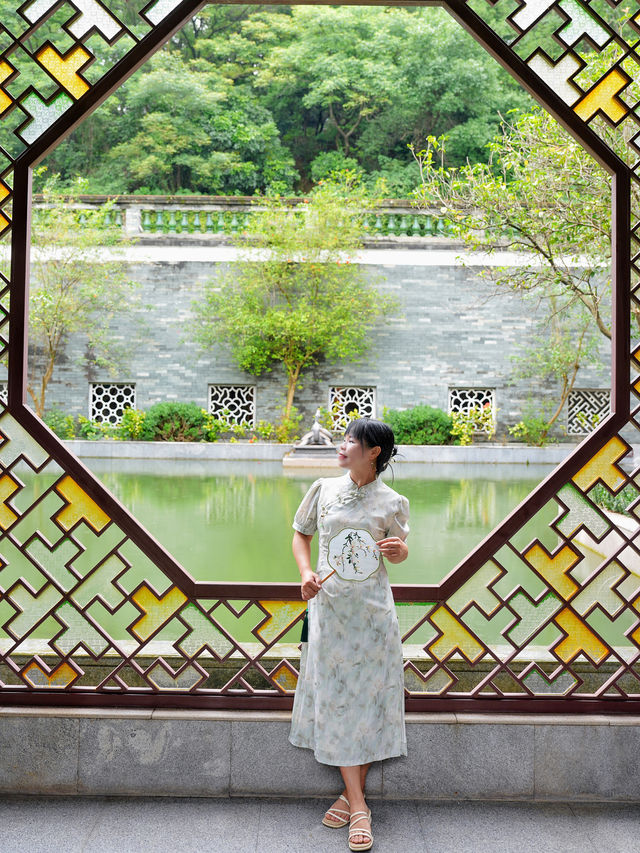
x=602, y=466
x=554, y=569
x=156, y=610
x=604, y=97
x=455, y=637
x=8, y=487
x=65, y=68
x=282, y=615
x=80, y=507
x=580, y=639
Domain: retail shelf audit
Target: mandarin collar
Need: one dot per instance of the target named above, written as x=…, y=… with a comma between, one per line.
x=354, y=487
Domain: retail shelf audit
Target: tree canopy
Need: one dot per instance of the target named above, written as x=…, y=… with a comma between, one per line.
x=243, y=100
x=299, y=302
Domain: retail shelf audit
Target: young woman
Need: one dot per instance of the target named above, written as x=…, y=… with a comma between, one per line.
x=349, y=702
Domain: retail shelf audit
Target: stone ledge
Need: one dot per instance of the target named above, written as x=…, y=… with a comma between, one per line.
x=102, y=751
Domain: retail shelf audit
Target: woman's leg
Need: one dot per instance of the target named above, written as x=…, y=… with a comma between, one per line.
x=340, y=804
x=352, y=781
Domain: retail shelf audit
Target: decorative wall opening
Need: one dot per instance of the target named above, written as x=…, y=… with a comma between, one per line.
x=108, y=400
x=465, y=399
x=237, y=403
x=586, y=409
x=346, y=400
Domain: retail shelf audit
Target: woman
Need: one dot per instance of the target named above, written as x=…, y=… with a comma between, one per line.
x=349, y=702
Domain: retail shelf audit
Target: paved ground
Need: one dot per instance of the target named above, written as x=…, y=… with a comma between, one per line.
x=163, y=825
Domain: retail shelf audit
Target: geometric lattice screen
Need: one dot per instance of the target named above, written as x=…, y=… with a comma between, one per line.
x=469, y=399
x=520, y=623
x=108, y=400
x=350, y=400
x=586, y=409
x=235, y=402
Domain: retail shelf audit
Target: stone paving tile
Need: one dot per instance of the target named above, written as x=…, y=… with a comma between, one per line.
x=47, y=824
x=614, y=828
x=500, y=827
x=249, y=825
x=175, y=825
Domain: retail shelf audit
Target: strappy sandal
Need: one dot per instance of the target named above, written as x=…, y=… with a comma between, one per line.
x=356, y=817
x=340, y=819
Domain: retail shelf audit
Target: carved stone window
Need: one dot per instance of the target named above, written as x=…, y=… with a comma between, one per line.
x=236, y=402
x=108, y=400
x=464, y=399
x=586, y=409
x=345, y=399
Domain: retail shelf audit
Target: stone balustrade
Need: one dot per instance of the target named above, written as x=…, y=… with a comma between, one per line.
x=223, y=217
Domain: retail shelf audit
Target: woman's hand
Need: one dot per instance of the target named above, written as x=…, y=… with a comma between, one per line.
x=310, y=586
x=393, y=549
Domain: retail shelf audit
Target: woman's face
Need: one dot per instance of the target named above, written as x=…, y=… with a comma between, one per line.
x=354, y=455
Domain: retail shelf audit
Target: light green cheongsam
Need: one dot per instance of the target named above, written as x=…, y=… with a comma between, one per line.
x=349, y=702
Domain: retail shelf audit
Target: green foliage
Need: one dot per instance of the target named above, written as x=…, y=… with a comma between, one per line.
x=470, y=423
x=63, y=425
x=175, y=422
x=72, y=292
x=304, y=302
x=420, y=425
x=330, y=164
x=287, y=429
x=541, y=195
x=532, y=430
x=131, y=424
x=614, y=503
x=244, y=99
x=95, y=430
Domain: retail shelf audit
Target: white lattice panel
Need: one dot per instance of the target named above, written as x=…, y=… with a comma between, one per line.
x=345, y=399
x=108, y=400
x=235, y=402
x=586, y=409
x=465, y=399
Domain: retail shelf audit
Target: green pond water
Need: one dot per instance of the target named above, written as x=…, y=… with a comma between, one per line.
x=231, y=521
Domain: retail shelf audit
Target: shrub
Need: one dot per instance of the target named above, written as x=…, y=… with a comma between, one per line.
x=63, y=425
x=287, y=429
x=175, y=422
x=131, y=425
x=614, y=503
x=472, y=422
x=94, y=430
x=420, y=425
x=532, y=429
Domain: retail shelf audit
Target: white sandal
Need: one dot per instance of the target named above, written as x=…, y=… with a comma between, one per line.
x=353, y=830
x=340, y=820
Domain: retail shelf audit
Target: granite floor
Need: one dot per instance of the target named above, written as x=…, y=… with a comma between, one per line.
x=172, y=825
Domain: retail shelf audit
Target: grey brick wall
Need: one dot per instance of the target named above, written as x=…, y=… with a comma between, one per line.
x=448, y=331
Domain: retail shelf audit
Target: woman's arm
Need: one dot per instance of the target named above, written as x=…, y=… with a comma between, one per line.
x=393, y=549
x=301, y=547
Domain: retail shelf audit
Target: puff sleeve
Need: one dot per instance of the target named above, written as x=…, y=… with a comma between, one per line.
x=306, y=518
x=399, y=521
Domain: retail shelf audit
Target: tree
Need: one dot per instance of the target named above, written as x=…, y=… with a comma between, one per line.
x=73, y=289
x=303, y=301
x=542, y=196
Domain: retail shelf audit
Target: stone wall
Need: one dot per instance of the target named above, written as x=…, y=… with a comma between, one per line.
x=449, y=331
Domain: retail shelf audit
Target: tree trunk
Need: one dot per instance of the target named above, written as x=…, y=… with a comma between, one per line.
x=292, y=380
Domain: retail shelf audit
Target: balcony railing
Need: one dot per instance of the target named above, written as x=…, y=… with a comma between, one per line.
x=224, y=217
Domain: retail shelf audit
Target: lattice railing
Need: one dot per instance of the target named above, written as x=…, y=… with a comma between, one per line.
x=94, y=610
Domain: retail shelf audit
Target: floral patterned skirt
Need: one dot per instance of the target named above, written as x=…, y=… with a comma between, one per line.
x=349, y=702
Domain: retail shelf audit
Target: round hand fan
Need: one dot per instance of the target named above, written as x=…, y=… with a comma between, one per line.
x=353, y=555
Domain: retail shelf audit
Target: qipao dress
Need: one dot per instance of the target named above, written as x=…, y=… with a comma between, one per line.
x=349, y=701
